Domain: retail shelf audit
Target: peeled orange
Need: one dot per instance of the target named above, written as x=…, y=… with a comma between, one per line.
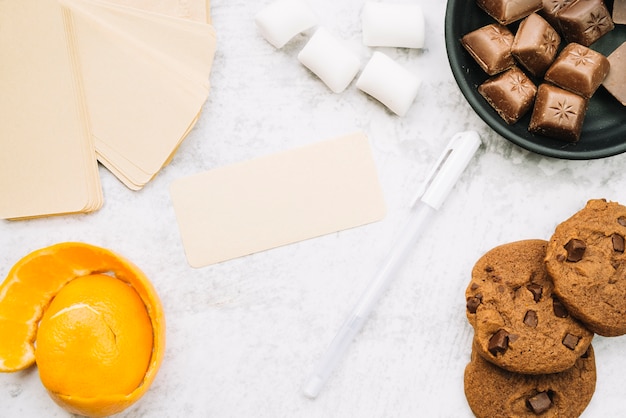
x=97, y=322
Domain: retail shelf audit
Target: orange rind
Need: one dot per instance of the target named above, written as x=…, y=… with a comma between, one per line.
x=83, y=305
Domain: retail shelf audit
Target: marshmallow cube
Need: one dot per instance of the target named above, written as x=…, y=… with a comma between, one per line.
x=281, y=20
x=330, y=59
x=389, y=82
x=393, y=25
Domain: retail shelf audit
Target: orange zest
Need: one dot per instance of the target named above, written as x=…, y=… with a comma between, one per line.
x=96, y=309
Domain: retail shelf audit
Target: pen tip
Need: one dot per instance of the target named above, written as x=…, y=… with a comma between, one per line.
x=313, y=387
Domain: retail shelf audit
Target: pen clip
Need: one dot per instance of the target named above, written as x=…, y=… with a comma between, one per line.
x=448, y=168
x=436, y=168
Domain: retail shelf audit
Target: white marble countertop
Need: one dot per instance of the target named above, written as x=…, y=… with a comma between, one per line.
x=242, y=335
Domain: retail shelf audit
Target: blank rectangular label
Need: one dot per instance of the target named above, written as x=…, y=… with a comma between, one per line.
x=283, y=198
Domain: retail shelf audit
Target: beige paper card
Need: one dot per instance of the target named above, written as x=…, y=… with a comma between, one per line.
x=47, y=158
x=279, y=199
x=198, y=10
x=146, y=78
x=184, y=45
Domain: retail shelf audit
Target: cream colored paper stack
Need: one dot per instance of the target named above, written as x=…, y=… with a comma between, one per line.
x=121, y=82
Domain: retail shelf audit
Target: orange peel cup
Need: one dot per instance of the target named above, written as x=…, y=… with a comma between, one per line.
x=86, y=304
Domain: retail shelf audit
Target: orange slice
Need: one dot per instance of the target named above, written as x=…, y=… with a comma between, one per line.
x=105, y=315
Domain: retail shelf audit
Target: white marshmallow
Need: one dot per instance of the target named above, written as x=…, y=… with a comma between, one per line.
x=389, y=82
x=281, y=20
x=330, y=59
x=393, y=25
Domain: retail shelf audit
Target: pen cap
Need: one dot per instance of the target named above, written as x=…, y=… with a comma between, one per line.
x=449, y=167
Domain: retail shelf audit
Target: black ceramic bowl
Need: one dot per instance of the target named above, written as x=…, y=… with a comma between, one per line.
x=604, y=127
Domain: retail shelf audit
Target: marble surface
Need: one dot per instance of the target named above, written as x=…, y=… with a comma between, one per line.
x=242, y=335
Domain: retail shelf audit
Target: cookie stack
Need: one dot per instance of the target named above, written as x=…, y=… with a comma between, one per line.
x=535, y=306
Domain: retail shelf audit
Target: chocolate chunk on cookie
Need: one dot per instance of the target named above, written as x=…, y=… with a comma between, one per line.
x=518, y=324
x=494, y=392
x=586, y=260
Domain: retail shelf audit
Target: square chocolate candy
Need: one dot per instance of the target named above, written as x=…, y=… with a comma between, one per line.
x=490, y=46
x=551, y=9
x=615, y=81
x=536, y=44
x=510, y=94
x=509, y=11
x=585, y=21
x=619, y=12
x=558, y=113
x=578, y=69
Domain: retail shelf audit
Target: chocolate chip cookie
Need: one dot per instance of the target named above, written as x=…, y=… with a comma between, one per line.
x=518, y=323
x=586, y=260
x=494, y=392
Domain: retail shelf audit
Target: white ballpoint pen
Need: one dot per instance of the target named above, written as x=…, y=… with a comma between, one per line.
x=438, y=185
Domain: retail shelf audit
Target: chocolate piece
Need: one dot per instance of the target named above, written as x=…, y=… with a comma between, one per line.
x=499, y=342
x=536, y=290
x=558, y=113
x=551, y=8
x=559, y=309
x=539, y=403
x=578, y=69
x=473, y=303
x=490, y=46
x=585, y=21
x=575, y=250
x=570, y=341
x=511, y=94
x=535, y=44
x=615, y=81
x=619, y=11
x=621, y=220
x=618, y=243
x=531, y=319
x=509, y=11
